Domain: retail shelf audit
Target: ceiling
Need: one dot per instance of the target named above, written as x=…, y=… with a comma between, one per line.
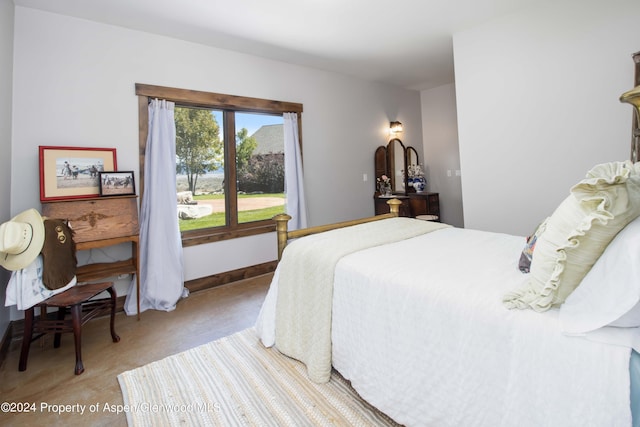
x=407, y=43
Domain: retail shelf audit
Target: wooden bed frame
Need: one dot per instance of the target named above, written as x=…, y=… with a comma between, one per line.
x=284, y=234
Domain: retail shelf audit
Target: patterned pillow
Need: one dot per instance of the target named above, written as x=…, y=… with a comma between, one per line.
x=577, y=233
x=527, y=253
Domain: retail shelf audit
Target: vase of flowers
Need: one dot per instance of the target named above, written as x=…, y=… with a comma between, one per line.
x=384, y=185
x=416, y=178
x=419, y=183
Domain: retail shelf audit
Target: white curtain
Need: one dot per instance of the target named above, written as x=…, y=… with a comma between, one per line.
x=293, y=185
x=161, y=265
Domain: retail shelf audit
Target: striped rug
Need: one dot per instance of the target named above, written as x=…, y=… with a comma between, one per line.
x=235, y=381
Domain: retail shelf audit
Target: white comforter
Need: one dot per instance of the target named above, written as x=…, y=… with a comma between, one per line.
x=419, y=329
x=304, y=302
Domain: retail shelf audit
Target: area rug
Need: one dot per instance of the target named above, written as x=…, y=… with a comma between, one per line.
x=236, y=381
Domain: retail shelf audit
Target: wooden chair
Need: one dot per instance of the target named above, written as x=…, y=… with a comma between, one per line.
x=77, y=299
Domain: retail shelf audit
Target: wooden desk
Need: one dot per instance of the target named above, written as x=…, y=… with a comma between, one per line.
x=100, y=222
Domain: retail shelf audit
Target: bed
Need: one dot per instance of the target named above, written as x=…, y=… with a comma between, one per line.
x=438, y=326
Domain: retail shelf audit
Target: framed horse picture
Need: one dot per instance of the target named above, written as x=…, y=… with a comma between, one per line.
x=73, y=172
x=120, y=183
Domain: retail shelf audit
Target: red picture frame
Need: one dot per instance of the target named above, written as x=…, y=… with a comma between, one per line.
x=73, y=172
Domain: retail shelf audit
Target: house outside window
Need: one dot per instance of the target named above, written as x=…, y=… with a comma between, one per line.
x=229, y=162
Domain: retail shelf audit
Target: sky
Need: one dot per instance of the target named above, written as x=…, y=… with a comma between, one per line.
x=251, y=121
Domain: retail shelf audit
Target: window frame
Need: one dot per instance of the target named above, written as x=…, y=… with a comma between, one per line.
x=210, y=100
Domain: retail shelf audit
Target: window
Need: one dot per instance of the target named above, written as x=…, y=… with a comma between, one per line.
x=203, y=145
x=229, y=161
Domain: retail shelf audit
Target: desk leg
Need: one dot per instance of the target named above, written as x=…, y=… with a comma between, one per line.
x=26, y=338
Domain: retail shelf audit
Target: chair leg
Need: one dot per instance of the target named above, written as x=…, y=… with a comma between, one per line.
x=76, y=319
x=114, y=336
x=26, y=338
x=58, y=335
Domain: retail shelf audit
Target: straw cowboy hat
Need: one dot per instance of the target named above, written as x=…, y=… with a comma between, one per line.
x=21, y=240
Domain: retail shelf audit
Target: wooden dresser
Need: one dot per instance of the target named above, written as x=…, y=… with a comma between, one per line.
x=101, y=222
x=395, y=161
x=413, y=204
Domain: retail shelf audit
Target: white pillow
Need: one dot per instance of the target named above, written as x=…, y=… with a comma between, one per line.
x=577, y=233
x=609, y=295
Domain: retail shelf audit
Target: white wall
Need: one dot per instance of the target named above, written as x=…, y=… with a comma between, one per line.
x=6, y=67
x=74, y=85
x=441, y=155
x=537, y=96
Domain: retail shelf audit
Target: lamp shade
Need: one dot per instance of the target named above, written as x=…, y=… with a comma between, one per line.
x=395, y=127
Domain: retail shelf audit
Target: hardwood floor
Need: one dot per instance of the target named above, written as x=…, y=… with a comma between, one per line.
x=49, y=379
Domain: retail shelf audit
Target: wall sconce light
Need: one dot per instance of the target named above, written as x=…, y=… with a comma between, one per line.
x=395, y=127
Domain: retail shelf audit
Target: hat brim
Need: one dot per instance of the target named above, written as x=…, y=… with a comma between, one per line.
x=23, y=259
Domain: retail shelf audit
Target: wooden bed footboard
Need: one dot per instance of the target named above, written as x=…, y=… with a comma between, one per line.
x=284, y=234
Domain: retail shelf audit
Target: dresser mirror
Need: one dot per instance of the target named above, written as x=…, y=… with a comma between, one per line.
x=393, y=161
x=412, y=157
x=396, y=165
x=380, y=161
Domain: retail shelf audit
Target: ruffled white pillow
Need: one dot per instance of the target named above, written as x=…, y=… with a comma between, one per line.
x=577, y=234
x=609, y=295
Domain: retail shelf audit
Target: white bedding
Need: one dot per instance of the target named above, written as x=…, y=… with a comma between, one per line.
x=419, y=329
x=303, y=307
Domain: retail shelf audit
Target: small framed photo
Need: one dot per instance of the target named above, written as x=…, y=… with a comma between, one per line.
x=72, y=172
x=120, y=183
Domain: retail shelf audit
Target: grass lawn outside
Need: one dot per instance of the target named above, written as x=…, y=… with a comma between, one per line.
x=257, y=212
